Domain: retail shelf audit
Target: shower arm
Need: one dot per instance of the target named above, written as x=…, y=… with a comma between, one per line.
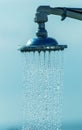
x=42, y=13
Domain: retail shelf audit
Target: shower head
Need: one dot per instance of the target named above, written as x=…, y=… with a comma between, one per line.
x=42, y=42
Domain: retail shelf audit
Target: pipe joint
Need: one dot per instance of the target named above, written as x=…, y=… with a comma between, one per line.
x=41, y=17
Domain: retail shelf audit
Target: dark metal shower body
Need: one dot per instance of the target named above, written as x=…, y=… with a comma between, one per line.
x=42, y=44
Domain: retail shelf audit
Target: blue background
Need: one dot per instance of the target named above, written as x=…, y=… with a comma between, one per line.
x=16, y=27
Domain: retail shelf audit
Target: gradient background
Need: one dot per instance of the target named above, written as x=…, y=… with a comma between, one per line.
x=16, y=27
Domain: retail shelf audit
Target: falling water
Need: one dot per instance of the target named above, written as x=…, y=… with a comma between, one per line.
x=43, y=84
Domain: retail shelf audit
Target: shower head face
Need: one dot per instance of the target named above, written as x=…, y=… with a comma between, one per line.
x=42, y=44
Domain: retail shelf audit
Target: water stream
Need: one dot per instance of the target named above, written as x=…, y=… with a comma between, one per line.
x=43, y=85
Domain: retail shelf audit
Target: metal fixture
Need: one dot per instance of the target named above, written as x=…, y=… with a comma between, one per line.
x=43, y=42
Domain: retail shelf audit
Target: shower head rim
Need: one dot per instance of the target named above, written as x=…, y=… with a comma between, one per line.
x=43, y=48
